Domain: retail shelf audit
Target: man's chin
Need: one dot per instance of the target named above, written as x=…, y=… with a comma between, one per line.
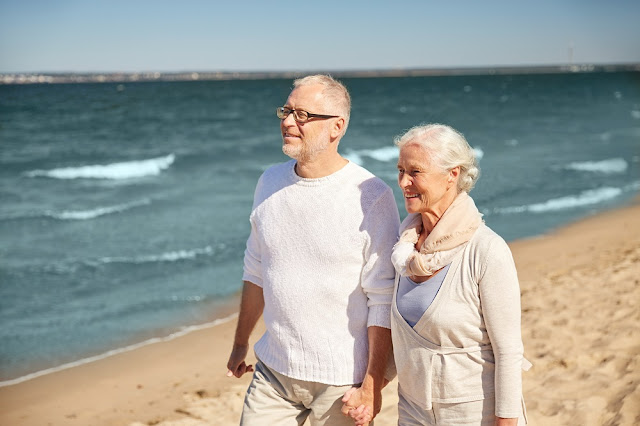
x=291, y=151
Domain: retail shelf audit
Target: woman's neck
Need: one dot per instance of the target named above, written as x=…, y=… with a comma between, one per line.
x=431, y=217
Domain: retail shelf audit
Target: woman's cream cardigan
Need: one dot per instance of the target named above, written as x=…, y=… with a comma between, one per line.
x=467, y=346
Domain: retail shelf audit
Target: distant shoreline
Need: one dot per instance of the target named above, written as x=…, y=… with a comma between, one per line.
x=131, y=77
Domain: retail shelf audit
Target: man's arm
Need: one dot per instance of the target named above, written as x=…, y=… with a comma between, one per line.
x=367, y=399
x=251, y=307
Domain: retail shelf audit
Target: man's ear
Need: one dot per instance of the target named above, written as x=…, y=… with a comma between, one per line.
x=338, y=128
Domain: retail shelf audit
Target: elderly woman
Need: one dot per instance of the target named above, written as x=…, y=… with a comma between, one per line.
x=456, y=309
x=455, y=317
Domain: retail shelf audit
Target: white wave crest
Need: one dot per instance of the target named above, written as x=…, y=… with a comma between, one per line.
x=633, y=186
x=589, y=197
x=478, y=152
x=612, y=165
x=124, y=170
x=354, y=157
x=387, y=153
x=172, y=256
x=97, y=212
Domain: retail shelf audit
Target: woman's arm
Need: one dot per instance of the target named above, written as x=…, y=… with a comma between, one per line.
x=500, y=301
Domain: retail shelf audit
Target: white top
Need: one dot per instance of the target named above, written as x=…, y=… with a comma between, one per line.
x=467, y=346
x=320, y=249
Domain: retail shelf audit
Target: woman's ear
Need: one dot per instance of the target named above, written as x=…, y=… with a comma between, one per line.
x=454, y=174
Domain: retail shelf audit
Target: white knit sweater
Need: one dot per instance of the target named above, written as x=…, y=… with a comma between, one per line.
x=320, y=249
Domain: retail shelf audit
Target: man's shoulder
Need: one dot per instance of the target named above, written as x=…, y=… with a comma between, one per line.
x=273, y=179
x=367, y=181
x=278, y=169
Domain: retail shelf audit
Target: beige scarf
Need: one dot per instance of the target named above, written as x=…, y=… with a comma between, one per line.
x=450, y=235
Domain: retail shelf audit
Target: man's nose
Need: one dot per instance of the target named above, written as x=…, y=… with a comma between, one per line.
x=289, y=120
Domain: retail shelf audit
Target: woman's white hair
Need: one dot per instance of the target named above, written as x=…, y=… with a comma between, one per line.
x=447, y=149
x=335, y=93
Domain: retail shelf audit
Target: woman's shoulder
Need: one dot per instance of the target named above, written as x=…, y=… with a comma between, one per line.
x=485, y=248
x=486, y=241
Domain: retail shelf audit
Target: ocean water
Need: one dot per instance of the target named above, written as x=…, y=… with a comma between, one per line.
x=124, y=207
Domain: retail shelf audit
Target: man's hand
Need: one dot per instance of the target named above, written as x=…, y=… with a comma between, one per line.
x=501, y=421
x=362, y=405
x=251, y=307
x=236, y=365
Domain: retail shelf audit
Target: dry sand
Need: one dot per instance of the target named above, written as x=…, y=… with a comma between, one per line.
x=580, y=295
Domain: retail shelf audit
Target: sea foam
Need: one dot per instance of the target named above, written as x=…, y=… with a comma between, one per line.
x=612, y=165
x=97, y=212
x=585, y=198
x=386, y=154
x=124, y=170
x=172, y=256
x=478, y=152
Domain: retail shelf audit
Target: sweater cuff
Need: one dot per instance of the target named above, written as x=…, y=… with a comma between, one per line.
x=252, y=279
x=379, y=315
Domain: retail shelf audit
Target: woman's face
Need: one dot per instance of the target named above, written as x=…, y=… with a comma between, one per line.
x=426, y=188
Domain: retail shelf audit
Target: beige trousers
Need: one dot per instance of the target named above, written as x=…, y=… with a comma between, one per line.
x=274, y=399
x=476, y=413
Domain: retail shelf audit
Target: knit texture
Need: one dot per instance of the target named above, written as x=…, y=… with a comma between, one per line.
x=320, y=249
x=467, y=346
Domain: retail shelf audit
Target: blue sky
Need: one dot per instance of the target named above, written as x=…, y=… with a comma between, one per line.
x=236, y=35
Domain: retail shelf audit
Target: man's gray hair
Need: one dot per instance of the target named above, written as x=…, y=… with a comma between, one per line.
x=335, y=93
x=447, y=148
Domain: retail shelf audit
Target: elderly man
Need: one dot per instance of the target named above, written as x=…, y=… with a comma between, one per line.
x=317, y=266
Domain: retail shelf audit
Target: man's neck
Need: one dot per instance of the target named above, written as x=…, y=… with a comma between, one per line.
x=320, y=166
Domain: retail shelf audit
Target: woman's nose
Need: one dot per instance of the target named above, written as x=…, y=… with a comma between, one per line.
x=404, y=180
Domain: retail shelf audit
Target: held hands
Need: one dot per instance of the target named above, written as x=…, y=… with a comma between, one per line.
x=236, y=364
x=361, y=405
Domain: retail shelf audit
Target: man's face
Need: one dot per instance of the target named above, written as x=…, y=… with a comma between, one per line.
x=303, y=141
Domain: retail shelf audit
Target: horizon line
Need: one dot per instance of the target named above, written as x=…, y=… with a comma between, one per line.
x=195, y=75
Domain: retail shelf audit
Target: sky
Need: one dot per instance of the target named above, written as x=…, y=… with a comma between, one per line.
x=39, y=36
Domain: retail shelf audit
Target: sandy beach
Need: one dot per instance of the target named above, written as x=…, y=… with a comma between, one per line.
x=580, y=293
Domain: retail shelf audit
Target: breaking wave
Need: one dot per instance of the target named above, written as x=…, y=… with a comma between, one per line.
x=123, y=170
x=97, y=212
x=585, y=198
x=388, y=153
x=385, y=154
x=612, y=165
x=172, y=256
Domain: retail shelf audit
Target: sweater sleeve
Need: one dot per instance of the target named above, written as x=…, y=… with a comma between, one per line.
x=500, y=301
x=252, y=259
x=252, y=271
x=381, y=223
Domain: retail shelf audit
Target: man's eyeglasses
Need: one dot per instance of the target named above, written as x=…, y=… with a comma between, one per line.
x=300, y=115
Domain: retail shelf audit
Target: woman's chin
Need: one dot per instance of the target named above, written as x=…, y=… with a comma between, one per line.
x=411, y=207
